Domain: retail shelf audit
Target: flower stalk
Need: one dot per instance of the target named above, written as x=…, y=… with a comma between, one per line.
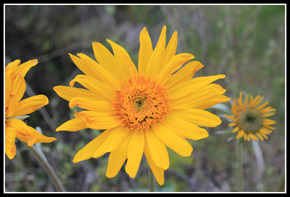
x=151, y=181
x=241, y=170
x=44, y=163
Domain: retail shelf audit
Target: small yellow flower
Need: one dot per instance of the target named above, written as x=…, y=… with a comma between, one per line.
x=144, y=110
x=251, y=120
x=15, y=108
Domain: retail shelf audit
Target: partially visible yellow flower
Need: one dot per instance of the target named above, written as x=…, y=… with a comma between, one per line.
x=251, y=120
x=15, y=108
x=142, y=111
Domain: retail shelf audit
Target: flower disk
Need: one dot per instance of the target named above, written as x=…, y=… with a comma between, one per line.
x=141, y=103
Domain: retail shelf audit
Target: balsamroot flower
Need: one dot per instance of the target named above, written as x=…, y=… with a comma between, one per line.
x=251, y=120
x=15, y=108
x=142, y=111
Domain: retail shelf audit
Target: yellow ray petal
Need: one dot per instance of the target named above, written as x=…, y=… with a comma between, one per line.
x=268, y=122
x=172, y=140
x=157, y=150
x=135, y=153
x=185, y=129
x=198, y=117
x=155, y=63
x=92, y=68
x=89, y=104
x=18, y=88
x=30, y=104
x=145, y=51
x=185, y=73
x=190, y=86
x=170, y=50
x=211, y=102
x=23, y=68
x=12, y=65
x=97, y=120
x=94, y=85
x=87, y=151
x=72, y=125
x=157, y=171
x=10, y=148
x=118, y=157
x=199, y=98
x=28, y=134
x=105, y=58
x=123, y=59
x=68, y=93
x=173, y=65
x=112, y=142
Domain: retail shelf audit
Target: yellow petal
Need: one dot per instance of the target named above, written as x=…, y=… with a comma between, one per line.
x=211, y=102
x=93, y=69
x=268, y=122
x=145, y=51
x=157, y=150
x=72, y=125
x=87, y=151
x=89, y=104
x=28, y=134
x=105, y=58
x=172, y=140
x=10, y=148
x=170, y=50
x=135, y=153
x=155, y=62
x=31, y=104
x=12, y=65
x=97, y=120
x=185, y=129
x=123, y=59
x=112, y=142
x=94, y=85
x=18, y=88
x=68, y=93
x=173, y=65
x=118, y=157
x=185, y=73
x=192, y=86
x=198, y=117
x=207, y=95
x=23, y=68
x=157, y=171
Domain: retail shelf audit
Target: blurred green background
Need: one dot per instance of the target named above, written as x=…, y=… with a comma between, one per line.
x=245, y=42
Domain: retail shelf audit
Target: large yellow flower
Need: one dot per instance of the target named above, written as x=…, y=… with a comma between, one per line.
x=15, y=108
x=144, y=110
x=250, y=119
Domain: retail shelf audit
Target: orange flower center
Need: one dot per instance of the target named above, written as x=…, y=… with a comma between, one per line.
x=140, y=103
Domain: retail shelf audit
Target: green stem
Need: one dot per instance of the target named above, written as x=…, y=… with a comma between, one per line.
x=240, y=161
x=42, y=160
x=151, y=181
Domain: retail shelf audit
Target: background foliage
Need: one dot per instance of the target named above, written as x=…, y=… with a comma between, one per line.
x=245, y=42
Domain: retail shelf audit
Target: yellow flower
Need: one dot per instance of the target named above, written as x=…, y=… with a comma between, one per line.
x=15, y=108
x=144, y=110
x=251, y=120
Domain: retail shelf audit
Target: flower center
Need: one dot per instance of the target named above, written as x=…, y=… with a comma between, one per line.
x=250, y=121
x=140, y=103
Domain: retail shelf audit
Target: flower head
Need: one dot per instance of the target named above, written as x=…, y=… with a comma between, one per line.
x=251, y=120
x=15, y=108
x=142, y=111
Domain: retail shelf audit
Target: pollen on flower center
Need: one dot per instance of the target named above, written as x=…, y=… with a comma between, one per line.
x=140, y=103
